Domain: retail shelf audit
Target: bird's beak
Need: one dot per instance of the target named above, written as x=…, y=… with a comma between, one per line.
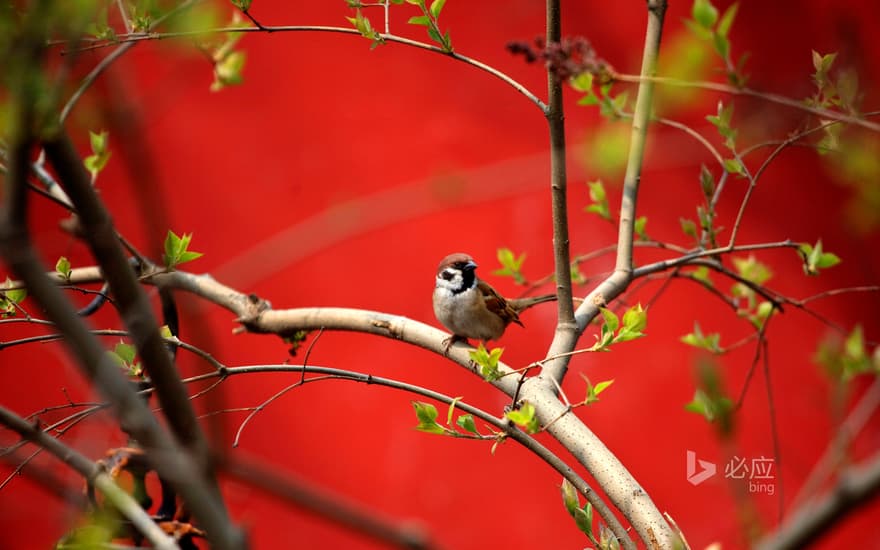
x=470, y=265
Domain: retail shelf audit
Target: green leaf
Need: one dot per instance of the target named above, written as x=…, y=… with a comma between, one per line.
x=721, y=121
x=722, y=45
x=704, y=13
x=96, y=162
x=698, y=30
x=577, y=277
x=582, y=82
x=165, y=332
x=511, y=265
x=619, y=102
x=639, y=228
x=710, y=400
x=435, y=35
x=126, y=352
x=727, y=19
x=635, y=319
x=608, y=540
x=854, y=345
x=422, y=20
x=709, y=342
x=822, y=63
x=436, y=8
x=734, y=166
x=98, y=141
x=594, y=391
x=570, y=498
x=707, y=182
x=243, y=5
x=849, y=358
x=426, y=414
x=525, y=418
x=228, y=70
x=600, y=200
x=62, y=267
x=15, y=296
x=611, y=320
x=752, y=270
x=487, y=361
x=466, y=423
x=815, y=258
x=176, y=250
x=703, y=405
x=689, y=228
x=597, y=191
x=701, y=274
x=602, y=386
x=589, y=99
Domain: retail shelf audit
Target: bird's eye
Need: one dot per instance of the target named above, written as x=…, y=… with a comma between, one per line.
x=447, y=275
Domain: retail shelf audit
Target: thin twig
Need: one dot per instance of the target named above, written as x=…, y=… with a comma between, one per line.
x=733, y=90
x=127, y=41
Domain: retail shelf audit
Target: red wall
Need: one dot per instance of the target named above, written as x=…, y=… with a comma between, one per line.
x=338, y=176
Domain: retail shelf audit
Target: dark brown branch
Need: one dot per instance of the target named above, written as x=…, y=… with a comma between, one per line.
x=134, y=307
x=558, y=190
x=324, y=504
x=93, y=474
x=132, y=412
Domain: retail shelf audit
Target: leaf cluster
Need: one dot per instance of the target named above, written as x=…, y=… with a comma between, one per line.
x=583, y=518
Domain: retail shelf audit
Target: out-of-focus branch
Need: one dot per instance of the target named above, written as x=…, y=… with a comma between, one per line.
x=20, y=256
x=131, y=300
x=121, y=500
x=766, y=96
x=855, y=487
x=325, y=504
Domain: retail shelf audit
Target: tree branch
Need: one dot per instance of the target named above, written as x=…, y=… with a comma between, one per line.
x=20, y=256
x=766, y=96
x=566, y=329
x=325, y=504
x=131, y=300
x=857, y=485
x=123, y=502
x=130, y=40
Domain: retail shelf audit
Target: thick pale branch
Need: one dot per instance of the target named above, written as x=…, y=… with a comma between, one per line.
x=623, y=490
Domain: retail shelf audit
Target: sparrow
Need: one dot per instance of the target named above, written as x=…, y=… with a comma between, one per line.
x=469, y=307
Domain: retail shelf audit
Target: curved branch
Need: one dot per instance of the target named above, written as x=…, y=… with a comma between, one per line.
x=130, y=39
x=508, y=428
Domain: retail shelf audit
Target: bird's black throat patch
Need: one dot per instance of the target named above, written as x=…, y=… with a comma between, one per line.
x=468, y=279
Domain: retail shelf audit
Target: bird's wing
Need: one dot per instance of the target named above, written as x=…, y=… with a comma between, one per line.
x=497, y=304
